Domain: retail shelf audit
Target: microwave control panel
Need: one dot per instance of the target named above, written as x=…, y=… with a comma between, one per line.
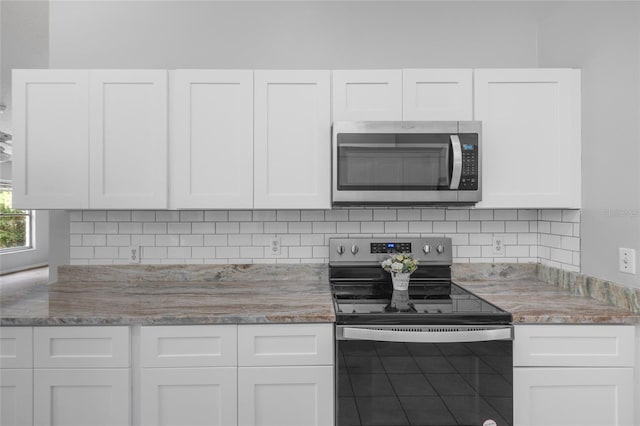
x=469, y=175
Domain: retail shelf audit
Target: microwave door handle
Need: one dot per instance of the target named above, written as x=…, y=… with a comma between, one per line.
x=457, y=161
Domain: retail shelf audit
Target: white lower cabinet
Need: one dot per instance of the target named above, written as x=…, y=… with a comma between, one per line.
x=189, y=396
x=574, y=375
x=16, y=397
x=285, y=396
x=79, y=397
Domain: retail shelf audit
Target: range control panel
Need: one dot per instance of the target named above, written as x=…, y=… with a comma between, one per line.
x=390, y=247
x=431, y=250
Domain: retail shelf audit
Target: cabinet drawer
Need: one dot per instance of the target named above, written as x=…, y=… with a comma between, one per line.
x=291, y=344
x=81, y=347
x=16, y=347
x=189, y=346
x=573, y=346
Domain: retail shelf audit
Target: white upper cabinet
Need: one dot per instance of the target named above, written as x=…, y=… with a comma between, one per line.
x=128, y=140
x=211, y=143
x=437, y=94
x=410, y=95
x=369, y=95
x=292, y=140
x=530, y=137
x=51, y=133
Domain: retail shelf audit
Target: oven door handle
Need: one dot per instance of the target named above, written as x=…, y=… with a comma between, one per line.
x=448, y=335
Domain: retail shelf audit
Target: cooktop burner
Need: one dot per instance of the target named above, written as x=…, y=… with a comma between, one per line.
x=420, y=305
x=363, y=293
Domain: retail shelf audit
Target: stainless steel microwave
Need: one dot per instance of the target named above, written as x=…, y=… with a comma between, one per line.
x=406, y=162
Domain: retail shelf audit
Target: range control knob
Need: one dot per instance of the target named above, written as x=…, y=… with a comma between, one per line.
x=440, y=248
x=354, y=249
x=340, y=250
x=426, y=249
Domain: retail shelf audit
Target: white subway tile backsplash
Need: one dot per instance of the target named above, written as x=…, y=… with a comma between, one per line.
x=505, y=215
x=384, y=214
x=179, y=228
x=244, y=236
x=118, y=216
x=433, y=214
x=167, y=216
x=94, y=216
x=106, y=228
x=203, y=228
x=240, y=216
x=409, y=214
x=143, y=216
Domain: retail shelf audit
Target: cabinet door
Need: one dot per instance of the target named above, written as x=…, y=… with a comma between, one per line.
x=285, y=396
x=128, y=140
x=367, y=95
x=189, y=396
x=573, y=396
x=81, y=397
x=16, y=397
x=16, y=347
x=531, y=137
x=50, y=141
x=292, y=140
x=437, y=94
x=211, y=143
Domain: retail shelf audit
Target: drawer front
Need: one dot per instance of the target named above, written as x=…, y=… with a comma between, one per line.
x=189, y=346
x=573, y=346
x=16, y=347
x=81, y=347
x=290, y=344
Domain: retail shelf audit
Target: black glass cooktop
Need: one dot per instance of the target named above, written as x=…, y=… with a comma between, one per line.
x=432, y=303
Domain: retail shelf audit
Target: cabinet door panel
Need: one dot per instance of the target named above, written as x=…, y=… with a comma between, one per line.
x=292, y=142
x=573, y=396
x=189, y=396
x=212, y=139
x=50, y=143
x=189, y=346
x=531, y=137
x=285, y=396
x=81, y=347
x=16, y=345
x=128, y=141
x=437, y=94
x=82, y=397
x=16, y=397
x=367, y=95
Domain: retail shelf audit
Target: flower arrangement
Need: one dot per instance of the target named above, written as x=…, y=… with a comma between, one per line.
x=400, y=263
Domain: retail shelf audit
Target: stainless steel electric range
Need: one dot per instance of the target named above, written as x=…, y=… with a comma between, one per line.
x=435, y=354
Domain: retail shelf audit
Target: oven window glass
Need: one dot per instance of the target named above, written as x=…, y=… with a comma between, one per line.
x=384, y=162
x=382, y=383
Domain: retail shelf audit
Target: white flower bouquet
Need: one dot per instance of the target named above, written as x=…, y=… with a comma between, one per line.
x=400, y=263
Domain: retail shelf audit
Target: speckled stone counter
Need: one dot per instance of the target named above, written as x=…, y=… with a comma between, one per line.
x=517, y=289
x=211, y=294
x=174, y=295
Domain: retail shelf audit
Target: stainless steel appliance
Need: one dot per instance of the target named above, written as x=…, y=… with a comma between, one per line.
x=435, y=354
x=402, y=162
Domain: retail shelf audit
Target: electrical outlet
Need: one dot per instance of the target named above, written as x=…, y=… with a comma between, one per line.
x=134, y=254
x=497, y=246
x=627, y=260
x=274, y=248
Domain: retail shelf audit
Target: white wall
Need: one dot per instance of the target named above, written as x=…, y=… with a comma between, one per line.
x=604, y=40
x=303, y=34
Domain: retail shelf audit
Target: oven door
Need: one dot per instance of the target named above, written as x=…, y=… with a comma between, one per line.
x=424, y=375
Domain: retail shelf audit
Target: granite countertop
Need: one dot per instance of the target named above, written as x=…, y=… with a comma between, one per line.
x=234, y=294
x=518, y=289
x=163, y=296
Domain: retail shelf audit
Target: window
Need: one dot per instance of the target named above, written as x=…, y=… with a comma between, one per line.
x=15, y=225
